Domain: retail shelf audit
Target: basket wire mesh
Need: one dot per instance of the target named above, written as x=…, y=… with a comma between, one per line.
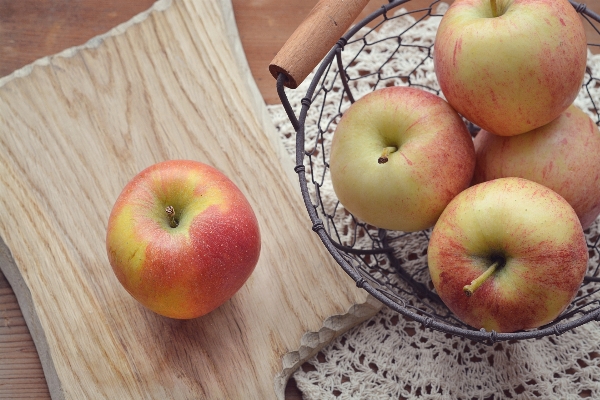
x=380, y=261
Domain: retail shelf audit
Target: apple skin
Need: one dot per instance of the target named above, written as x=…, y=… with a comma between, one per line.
x=512, y=73
x=529, y=226
x=434, y=161
x=189, y=270
x=563, y=155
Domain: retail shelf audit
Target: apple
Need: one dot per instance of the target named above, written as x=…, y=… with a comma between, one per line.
x=507, y=255
x=398, y=156
x=563, y=155
x=182, y=239
x=510, y=66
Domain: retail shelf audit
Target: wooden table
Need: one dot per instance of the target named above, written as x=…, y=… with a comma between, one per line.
x=31, y=29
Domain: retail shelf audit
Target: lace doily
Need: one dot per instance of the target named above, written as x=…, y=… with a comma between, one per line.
x=389, y=356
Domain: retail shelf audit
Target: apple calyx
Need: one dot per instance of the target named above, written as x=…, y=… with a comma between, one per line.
x=386, y=153
x=477, y=282
x=173, y=222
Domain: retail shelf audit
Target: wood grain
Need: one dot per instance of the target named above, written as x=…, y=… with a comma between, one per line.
x=75, y=128
x=21, y=373
x=31, y=29
x=311, y=41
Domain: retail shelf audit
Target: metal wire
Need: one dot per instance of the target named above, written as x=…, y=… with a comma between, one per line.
x=380, y=267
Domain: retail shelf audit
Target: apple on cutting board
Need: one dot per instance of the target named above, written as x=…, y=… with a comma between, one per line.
x=182, y=238
x=398, y=156
x=510, y=66
x=507, y=255
x=563, y=155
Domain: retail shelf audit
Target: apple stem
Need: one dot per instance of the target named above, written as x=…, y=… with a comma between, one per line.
x=477, y=282
x=385, y=154
x=494, y=8
x=172, y=220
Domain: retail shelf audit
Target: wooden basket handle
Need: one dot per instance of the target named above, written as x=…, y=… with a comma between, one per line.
x=316, y=35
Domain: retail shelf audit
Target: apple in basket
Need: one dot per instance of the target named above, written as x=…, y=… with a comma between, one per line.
x=510, y=66
x=507, y=255
x=563, y=155
x=182, y=238
x=398, y=156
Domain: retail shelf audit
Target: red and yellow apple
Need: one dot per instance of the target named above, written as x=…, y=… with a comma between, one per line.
x=182, y=238
x=510, y=66
x=563, y=155
x=507, y=255
x=398, y=156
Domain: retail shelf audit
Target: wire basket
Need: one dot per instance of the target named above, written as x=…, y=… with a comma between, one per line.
x=392, y=265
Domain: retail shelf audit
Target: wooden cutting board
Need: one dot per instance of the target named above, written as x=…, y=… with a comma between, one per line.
x=74, y=128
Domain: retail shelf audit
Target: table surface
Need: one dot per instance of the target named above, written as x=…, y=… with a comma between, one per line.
x=32, y=29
